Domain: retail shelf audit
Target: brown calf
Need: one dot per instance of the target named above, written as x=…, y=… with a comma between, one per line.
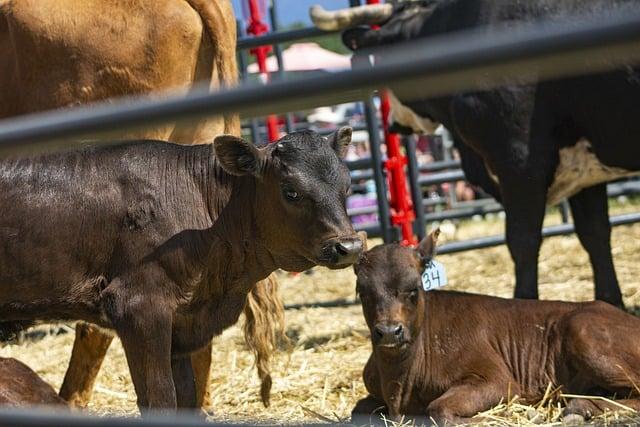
x=20, y=386
x=163, y=243
x=449, y=355
x=170, y=47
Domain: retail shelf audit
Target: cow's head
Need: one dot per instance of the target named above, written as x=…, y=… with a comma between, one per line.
x=398, y=22
x=390, y=287
x=301, y=186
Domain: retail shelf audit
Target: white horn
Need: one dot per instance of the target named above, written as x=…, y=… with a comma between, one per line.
x=350, y=17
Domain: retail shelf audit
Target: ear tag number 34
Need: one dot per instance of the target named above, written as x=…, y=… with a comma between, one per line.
x=434, y=276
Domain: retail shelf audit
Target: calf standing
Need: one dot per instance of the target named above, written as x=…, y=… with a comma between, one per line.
x=162, y=243
x=20, y=386
x=449, y=355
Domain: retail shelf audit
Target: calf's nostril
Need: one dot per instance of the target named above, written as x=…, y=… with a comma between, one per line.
x=379, y=332
x=343, y=248
x=398, y=330
x=349, y=247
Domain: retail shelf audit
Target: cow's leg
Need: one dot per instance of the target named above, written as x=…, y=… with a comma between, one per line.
x=461, y=402
x=524, y=202
x=201, y=364
x=591, y=217
x=89, y=348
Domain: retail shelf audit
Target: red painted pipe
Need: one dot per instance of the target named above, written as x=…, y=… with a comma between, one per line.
x=257, y=27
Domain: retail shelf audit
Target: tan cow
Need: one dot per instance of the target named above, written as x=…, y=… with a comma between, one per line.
x=59, y=53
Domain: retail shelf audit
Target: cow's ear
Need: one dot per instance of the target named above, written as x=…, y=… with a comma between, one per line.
x=340, y=140
x=237, y=156
x=427, y=247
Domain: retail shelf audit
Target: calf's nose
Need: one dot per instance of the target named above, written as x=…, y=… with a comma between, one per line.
x=348, y=250
x=388, y=333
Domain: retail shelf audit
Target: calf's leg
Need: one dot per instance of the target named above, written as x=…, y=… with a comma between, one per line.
x=89, y=349
x=201, y=364
x=144, y=325
x=591, y=217
x=461, y=402
x=184, y=381
x=586, y=409
x=601, y=343
x=367, y=411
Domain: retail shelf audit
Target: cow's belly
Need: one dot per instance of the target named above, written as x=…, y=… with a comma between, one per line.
x=579, y=168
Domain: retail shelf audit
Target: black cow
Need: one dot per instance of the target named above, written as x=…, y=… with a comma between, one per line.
x=162, y=242
x=529, y=145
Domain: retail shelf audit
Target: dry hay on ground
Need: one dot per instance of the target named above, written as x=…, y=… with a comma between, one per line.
x=319, y=378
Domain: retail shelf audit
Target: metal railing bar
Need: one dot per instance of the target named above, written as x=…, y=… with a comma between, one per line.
x=475, y=59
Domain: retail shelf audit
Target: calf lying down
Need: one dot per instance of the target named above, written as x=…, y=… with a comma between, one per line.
x=20, y=386
x=449, y=355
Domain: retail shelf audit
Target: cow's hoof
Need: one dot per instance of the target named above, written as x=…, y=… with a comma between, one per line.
x=572, y=420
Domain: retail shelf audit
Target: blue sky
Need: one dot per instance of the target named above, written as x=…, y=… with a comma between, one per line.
x=290, y=11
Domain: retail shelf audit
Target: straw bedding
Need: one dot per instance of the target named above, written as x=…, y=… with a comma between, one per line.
x=317, y=375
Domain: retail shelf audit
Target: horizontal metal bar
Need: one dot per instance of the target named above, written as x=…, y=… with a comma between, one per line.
x=359, y=164
x=485, y=242
x=555, y=230
x=440, y=165
x=442, y=177
x=365, y=210
x=33, y=417
x=341, y=302
x=476, y=59
x=461, y=213
x=281, y=37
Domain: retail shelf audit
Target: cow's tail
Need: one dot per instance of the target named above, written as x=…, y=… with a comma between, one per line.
x=220, y=26
x=263, y=328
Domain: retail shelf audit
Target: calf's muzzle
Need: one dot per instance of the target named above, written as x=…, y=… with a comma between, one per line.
x=346, y=251
x=388, y=334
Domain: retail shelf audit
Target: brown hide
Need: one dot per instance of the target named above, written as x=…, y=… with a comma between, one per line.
x=163, y=242
x=20, y=386
x=64, y=53
x=449, y=355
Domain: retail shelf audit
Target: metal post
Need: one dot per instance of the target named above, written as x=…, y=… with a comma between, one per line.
x=243, y=61
x=277, y=50
x=410, y=147
x=257, y=27
x=242, y=54
x=564, y=210
x=378, y=174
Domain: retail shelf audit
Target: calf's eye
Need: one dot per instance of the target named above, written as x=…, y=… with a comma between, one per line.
x=291, y=195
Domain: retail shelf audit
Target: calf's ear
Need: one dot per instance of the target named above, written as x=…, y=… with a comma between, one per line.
x=427, y=246
x=237, y=156
x=340, y=140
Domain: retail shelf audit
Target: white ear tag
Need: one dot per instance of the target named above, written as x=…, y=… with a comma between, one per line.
x=434, y=276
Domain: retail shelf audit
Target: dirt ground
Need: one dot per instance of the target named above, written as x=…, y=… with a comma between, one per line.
x=318, y=376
